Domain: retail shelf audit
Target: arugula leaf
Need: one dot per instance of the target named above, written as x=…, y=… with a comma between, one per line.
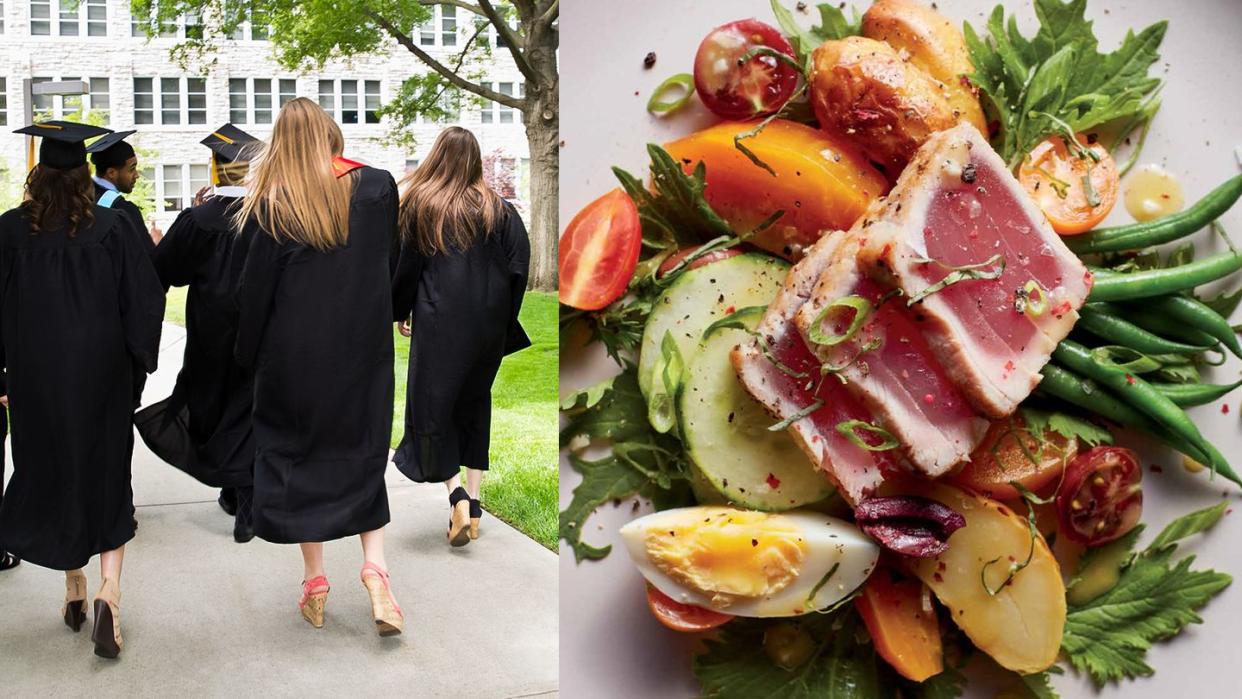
x=833, y=25
x=1059, y=75
x=1039, y=685
x=676, y=212
x=1069, y=426
x=642, y=462
x=1154, y=599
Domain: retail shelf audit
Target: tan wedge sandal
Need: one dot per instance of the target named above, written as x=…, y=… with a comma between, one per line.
x=314, y=599
x=389, y=619
x=74, y=609
x=476, y=514
x=459, y=518
x=107, y=630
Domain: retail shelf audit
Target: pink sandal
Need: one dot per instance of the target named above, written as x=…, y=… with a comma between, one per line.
x=389, y=620
x=314, y=599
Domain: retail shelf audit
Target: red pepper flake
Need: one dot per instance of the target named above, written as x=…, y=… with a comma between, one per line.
x=1156, y=468
x=730, y=310
x=1129, y=379
x=1224, y=409
x=940, y=565
x=773, y=482
x=929, y=398
x=937, y=577
x=1009, y=365
x=1229, y=511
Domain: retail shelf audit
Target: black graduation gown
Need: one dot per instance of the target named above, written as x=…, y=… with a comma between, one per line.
x=204, y=427
x=315, y=326
x=465, y=319
x=131, y=210
x=77, y=316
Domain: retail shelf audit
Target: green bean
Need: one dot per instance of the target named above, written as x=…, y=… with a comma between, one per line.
x=1112, y=286
x=1194, y=313
x=1101, y=320
x=1156, y=324
x=1161, y=230
x=1187, y=395
x=1140, y=395
x=1084, y=393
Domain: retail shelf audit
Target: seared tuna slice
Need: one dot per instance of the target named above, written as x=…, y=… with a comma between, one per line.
x=782, y=374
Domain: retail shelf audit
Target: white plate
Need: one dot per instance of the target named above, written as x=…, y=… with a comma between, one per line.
x=610, y=644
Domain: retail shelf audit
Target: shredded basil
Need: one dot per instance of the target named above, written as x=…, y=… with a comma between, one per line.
x=961, y=274
x=783, y=424
x=810, y=599
x=659, y=106
x=825, y=369
x=1093, y=197
x=850, y=428
x=1014, y=568
x=751, y=133
x=862, y=310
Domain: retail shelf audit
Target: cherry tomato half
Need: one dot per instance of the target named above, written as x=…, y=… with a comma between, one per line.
x=682, y=617
x=1010, y=452
x=714, y=256
x=599, y=251
x=1101, y=497
x=1056, y=179
x=734, y=88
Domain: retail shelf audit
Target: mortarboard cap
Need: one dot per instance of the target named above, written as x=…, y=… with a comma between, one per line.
x=111, y=150
x=230, y=143
x=63, y=146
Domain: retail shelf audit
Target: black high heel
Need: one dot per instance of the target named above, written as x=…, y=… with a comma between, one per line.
x=103, y=634
x=74, y=609
x=459, y=517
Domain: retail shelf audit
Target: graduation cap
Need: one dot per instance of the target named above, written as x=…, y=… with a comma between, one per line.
x=63, y=146
x=229, y=143
x=111, y=150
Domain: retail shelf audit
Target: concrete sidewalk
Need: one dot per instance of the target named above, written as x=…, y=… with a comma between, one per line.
x=203, y=616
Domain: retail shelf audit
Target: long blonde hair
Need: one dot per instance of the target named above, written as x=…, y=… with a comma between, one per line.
x=445, y=201
x=291, y=189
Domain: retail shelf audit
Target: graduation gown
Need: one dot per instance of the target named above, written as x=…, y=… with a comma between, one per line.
x=315, y=327
x=204, y=427
x=465, y=319
x=132, y=212
x=78, y=315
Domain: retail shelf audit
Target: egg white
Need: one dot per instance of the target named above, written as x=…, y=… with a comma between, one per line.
x=829, y=541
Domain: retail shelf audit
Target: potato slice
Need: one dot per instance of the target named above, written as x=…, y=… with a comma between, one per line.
x=1021, y=625
x=931, y=42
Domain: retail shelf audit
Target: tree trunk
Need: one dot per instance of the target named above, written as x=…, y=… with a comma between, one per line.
x=541, y=116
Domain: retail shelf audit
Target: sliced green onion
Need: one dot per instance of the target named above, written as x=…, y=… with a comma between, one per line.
x=850, y=429
x=819, y=403
x=662, y=407
x=961, y=274
x=1126, y=359
x=1026, y=299
x=658, y=105
x=862, y=310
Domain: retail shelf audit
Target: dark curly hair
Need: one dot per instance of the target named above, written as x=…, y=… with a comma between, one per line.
x=55, y=197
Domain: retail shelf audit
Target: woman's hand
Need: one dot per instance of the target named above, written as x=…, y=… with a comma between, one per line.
x=404, y=327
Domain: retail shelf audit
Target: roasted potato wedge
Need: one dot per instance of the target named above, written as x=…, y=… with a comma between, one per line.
x=863, y=91
x=928, y=40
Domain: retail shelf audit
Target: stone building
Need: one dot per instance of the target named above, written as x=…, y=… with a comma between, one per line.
x=135, y=84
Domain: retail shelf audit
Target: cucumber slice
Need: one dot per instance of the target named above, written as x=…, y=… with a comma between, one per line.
x=699, y=297
x=726, y=435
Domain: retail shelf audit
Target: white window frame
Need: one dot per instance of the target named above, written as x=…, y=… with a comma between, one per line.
x=88, y=104
x=183, y=93
x=62, y=14
x=492, y=112
x=188, y=184
x=338, y=94
x=251, y=94
x=179, y=28
x=442, y=29
x=245, y=31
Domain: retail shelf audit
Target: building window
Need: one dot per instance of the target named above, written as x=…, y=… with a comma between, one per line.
x=254, y=27
x=73, y=17
x=186, y=26
x=351, y=101
x=179, y=100
x=97, y=99
x=1, y=19
x=254, y=100
x=440, y=29
x=4, y=99
x=411, y=164
x=176, y=185
x=450, y=107
x=496, y=113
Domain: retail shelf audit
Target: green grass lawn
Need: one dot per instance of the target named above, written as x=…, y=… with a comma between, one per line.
x=521, y=487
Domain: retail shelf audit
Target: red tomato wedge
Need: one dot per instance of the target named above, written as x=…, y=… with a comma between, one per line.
x=599, y=252
x=736, y=87
x=682, y=617
x=1075, y=191
x=1101, y=497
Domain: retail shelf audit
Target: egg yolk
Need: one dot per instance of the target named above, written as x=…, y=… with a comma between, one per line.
x=728, y=554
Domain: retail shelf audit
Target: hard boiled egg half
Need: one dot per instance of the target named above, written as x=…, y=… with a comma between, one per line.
x=746, y=563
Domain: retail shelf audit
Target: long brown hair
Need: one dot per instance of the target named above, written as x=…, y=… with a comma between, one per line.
x=59, y=196
x=291, y=189
x=445, y=201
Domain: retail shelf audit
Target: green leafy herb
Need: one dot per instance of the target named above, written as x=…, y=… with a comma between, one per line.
x=1154, y=599
x=810, y=599
x=681, y=85
x=949, y=684
x=1031, y=500
x=962, y=273
x=1067, y=425
x=833, y=25
x=1125, y=359
x=784, y=424
x=1039, y=685
x=641, y=461
x=1224, y=303
x=676, y=212
x=1030, y=84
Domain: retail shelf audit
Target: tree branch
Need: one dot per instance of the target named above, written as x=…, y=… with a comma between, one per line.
x=511, y=41
x=550, y=15
x=448, y=73
x=455, y=3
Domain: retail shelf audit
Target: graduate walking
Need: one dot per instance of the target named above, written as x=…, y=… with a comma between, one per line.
x=315, y=307
x=80, y=313
x=204, y=427
x=116, y=173
x=457, y=291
